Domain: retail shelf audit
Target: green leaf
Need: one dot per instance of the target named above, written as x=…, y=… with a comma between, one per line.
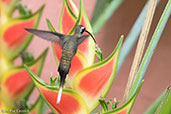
x=54, y=82
x=23, y=10
x=50, y=26
x=52, y=29
x=115, y=105
x=152, y=109
x=107, y=7
x=104, y=105
x=165, y=106
x=152, y=46
x=27, y=57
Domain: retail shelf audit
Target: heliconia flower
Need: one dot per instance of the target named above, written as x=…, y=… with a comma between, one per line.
x=88, y=81
x=97, y=78
x=16, y=83
x=14, y=38
x=70, y=17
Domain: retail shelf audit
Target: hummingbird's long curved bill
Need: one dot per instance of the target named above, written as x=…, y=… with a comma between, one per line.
x=91, y=35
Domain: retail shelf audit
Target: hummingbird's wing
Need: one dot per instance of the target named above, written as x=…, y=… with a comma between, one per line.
x=47, y=35
x=82, y=38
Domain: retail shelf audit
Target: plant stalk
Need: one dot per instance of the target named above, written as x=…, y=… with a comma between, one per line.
x=140, y=48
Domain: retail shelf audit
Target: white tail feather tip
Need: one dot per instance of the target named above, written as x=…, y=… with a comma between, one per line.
x=59, y=95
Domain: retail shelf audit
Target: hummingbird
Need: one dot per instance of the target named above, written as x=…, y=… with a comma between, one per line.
x=69, y=45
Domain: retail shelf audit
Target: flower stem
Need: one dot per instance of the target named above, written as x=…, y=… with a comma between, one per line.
x=140, y=47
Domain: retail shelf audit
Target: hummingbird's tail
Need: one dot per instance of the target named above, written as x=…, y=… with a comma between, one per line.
x=59, y=94
x=63, y=75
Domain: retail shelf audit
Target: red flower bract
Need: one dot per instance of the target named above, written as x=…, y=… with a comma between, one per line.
x=16, y=34
x=21, y=80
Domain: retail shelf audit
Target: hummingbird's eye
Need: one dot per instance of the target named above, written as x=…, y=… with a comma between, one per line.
x=82, y=30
